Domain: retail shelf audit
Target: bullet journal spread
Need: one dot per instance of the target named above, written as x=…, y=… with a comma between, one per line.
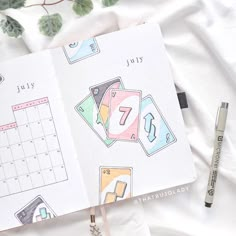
x=90, y=123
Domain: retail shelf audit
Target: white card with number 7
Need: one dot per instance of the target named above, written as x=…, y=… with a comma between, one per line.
x=124, y=114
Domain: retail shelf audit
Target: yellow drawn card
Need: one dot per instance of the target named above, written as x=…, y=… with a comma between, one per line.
x=115, y=184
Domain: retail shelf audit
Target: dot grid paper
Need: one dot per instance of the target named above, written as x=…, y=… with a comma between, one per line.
x=30, y=153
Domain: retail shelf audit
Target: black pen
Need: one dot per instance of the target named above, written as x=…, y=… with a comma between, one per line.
x=219, y=134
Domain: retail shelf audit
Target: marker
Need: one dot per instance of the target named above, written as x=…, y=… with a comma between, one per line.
x=219, y=134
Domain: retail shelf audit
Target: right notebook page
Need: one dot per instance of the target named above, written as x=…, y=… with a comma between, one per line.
x=124, y=115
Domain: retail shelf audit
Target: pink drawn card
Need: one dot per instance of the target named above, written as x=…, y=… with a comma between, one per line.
x=124, y=114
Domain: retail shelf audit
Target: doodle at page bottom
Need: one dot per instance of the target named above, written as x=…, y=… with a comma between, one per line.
x=35, y=211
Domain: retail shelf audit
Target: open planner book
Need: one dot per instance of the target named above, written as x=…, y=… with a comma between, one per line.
x=87, y=124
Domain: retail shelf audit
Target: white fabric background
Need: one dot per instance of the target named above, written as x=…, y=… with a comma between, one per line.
x=200, y=38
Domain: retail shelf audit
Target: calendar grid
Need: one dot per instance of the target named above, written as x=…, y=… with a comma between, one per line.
x=30, y=151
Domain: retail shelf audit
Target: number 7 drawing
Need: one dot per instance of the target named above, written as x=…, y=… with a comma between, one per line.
x=125, y=115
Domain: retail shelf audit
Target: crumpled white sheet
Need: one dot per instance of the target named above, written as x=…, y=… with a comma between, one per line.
x=200, y=40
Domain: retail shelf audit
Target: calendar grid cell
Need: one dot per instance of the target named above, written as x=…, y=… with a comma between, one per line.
x=30, y=151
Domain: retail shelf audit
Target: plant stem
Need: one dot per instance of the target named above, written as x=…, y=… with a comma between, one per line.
x=45, y=4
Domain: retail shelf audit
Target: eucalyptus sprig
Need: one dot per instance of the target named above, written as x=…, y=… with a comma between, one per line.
x=49, y=24
x=6, y=4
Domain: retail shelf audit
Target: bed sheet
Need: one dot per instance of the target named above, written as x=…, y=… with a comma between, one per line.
x=200, y=37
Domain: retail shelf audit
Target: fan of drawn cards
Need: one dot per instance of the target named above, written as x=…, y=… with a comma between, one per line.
x=115, y=113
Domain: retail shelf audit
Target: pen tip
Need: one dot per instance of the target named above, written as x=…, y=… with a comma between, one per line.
x=207, y=204
x=225, y=105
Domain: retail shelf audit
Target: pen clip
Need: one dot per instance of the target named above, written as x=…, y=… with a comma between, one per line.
x=217, y=118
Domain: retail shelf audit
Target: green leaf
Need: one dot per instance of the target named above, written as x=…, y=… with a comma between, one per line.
x=82, y=7
x=11, y=27
x=108, y=3
x=5, y=4
x=50, y=25
x=16, y=3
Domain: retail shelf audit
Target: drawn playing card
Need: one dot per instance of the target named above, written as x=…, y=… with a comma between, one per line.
x=101, y=95
x=35, y=211
x=124, y=113
x=115, y=184
x=87, y=109
x=154, y=133
x=80, y=50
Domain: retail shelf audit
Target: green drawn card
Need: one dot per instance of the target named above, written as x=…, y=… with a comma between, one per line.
x=87, y=109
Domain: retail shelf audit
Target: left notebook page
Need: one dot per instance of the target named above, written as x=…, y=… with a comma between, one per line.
x=40, y=177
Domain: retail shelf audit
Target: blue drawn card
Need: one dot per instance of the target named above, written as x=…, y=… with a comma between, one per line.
x=155, y=134
x=81, y=50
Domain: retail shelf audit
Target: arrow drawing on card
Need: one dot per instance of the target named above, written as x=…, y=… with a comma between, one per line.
x=149, y=127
